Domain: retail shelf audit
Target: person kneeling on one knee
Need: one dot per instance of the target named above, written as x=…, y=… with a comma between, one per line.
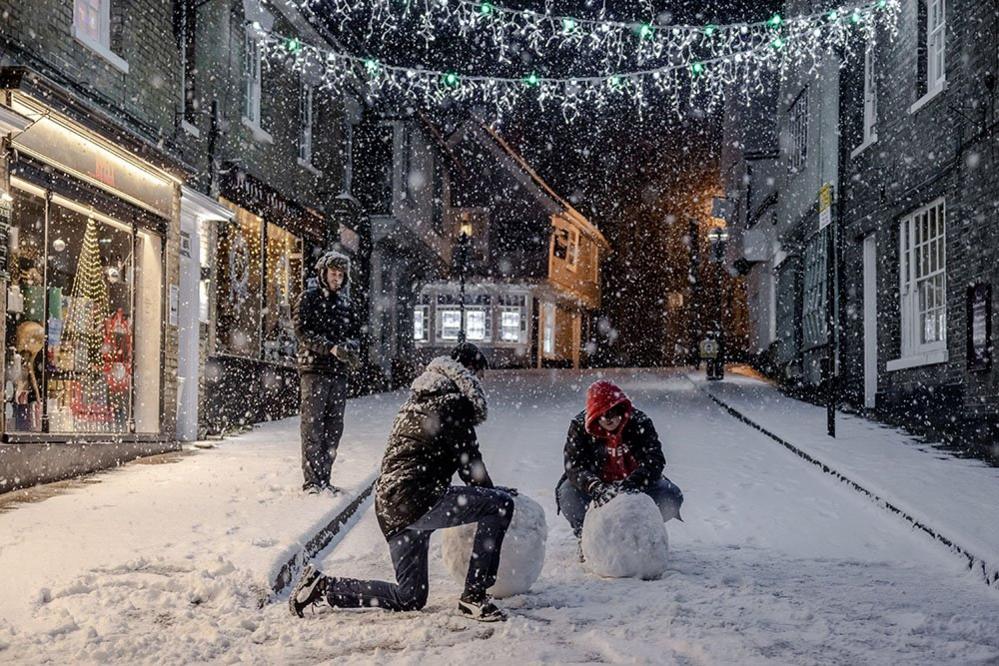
x=432, y=438
x=612, y=447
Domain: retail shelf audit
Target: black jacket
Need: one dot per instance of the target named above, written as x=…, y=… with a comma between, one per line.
x=585, y=454
x=432, y=438
x=322, y=319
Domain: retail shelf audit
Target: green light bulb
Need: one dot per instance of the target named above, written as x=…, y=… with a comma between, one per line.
x=371, y=65
x=834, y=16
x=294, y=45
x=778, y=43
x=532, y=79
x=856, y=17
x=882, y=4
x=451, y=80
x=709, y=30
x=614, y=81
x=645, y=31
x=568, y=25
x=775, y=21
x=697, y=68
x=485, y=9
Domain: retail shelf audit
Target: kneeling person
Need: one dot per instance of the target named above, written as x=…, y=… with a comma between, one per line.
x=612, y=447
x=432, y=437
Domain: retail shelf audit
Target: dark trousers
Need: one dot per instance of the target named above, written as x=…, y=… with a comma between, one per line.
x=573, y=502
x=491, y=509
x=324, y=397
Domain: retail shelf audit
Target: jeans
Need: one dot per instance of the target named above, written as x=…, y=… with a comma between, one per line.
x=491, y=509
x=574, y=503
x=324, y=397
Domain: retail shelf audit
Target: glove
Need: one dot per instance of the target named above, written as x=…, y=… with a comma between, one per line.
x=345, y=354
x=630, y=486
x=601, y=493
x=510, y=491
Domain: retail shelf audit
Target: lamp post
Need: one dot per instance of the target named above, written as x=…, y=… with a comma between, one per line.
x=717, y=237
x=460, y=260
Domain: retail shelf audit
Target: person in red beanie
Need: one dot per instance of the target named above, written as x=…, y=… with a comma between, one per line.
x=612, y=447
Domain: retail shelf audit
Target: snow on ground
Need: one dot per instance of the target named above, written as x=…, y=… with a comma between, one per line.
x=776, y=563
x=958, y=497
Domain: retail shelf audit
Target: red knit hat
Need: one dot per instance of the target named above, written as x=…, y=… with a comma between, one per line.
x=601, y=397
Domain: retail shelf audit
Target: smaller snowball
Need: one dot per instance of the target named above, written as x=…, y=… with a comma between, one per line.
x=626, y=538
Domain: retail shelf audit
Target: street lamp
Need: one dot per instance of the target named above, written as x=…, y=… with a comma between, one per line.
x=717, y=237
x=460, y=259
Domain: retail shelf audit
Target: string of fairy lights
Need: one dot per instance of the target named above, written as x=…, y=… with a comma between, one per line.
x=735, y=57
x=611, y=43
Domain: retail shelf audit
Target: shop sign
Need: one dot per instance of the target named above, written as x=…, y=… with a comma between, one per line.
x=825, y=206
x=174, y=304
x=980, y=326
x=58, y=141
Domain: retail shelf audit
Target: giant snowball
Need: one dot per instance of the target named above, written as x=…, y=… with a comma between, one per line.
x=521, y=558
x=626, y=538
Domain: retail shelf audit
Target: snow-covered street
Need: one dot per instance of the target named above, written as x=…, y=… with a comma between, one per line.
x=776, y=562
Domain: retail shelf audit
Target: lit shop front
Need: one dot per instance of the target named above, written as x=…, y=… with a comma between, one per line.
x=258, y=267
x=85, y=228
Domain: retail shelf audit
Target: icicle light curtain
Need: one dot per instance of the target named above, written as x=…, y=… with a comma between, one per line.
x=705, y=62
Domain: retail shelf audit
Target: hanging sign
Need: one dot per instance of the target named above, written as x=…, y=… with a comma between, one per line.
x=825, y=206
x=980, y=326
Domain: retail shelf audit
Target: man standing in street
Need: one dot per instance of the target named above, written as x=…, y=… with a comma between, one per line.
x=432, y=438
x=327, y=350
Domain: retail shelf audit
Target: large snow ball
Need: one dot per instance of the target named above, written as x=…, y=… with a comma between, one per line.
x=626, y=538
x=521, y=558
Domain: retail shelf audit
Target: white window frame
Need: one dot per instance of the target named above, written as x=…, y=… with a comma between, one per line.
x=571, y=260
x=548, y=332
x=306, y=128
x=253, y=87
x=100, y=43
x=512, y=332
x=936, y=43
x=421, y=323
x=454, y=313
x=477, y=331
x=870, y=100
x=923, y=272
x=797, y=127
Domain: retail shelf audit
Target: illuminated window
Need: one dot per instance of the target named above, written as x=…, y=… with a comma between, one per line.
x=510, y=325
x=475, y=325
x=450, y=324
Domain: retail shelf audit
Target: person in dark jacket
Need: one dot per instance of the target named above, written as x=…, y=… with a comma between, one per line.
x=327, y=349
x=432, y=438
x=611, y=448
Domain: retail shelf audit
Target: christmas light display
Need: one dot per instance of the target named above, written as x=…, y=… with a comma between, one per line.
x=610, y=43
x=717, y=61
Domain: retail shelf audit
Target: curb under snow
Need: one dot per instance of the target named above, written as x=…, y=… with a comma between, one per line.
x=988, y=572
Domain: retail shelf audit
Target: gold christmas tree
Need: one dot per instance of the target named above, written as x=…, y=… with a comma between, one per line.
x=84, y=336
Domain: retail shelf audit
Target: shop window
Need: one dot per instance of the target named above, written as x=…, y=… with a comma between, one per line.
x=84, y=321
x=258, y=280
x=421, y=319
x=450, y=323
x=282, y=287
x=814, y=298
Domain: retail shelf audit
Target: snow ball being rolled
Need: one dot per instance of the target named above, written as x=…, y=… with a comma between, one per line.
x=522, y=554
x=626, y=538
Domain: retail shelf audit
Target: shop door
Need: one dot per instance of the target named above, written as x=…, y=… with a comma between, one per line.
x=870, y=321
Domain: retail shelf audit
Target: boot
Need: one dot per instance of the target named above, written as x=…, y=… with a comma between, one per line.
x=308, y=591
x=481, y=608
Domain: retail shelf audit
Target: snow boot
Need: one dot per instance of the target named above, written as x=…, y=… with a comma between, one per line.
x=482, y=609
x=308, y=591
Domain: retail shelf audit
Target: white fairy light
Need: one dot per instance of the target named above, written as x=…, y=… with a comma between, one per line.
x=724, y=59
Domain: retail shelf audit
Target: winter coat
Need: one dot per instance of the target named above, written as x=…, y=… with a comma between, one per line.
x=324, y=319
x=586, y=454
x=432, y=438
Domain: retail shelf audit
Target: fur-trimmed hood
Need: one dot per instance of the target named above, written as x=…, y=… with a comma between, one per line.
x=444, y=375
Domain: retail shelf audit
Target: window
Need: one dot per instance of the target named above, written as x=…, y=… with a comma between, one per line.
x=814, y=298
x=513, y=318
x=548, y=340
x=475, y=324
x=92, y=27
x=797, y=128
x=870, y=96
x=84, y=320
x=185, y=17
x=923, y=280
x=565, y=245
x=935, y=41
x=305, y=119
x=205, y=230
x=251, y=77
x=450, y=324
x=421, y=323
x=258, y=271
x=371, y=160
